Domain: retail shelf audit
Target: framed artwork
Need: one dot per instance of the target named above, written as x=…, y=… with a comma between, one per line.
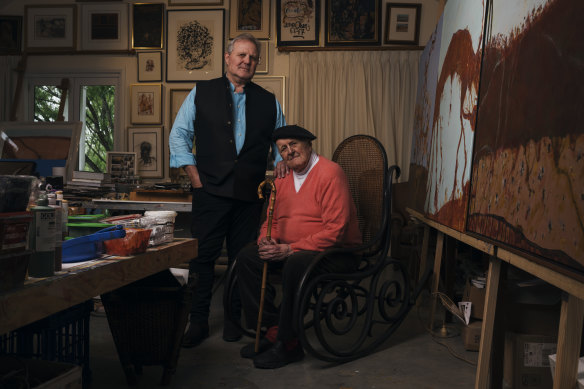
x=297, y=22
x=177, y=96
x=402, y=24
x=251, y=16
x=354, y=24
x=146, y=142
x=147, y=26
x=104, y=27
x=10, y=34
x=150, y=66
x=28, y=141
x=146, y=103
x=50, y=27
x=276, y=85
x=263, y=67
x=195, y=2
x=194, y=44
x=122, y=166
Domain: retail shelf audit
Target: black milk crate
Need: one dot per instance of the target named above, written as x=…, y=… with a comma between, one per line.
x=62, y=337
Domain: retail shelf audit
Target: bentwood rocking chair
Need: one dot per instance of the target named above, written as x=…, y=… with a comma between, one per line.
x=340, y=316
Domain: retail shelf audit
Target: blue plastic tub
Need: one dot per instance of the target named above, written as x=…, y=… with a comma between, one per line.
x=90, y=246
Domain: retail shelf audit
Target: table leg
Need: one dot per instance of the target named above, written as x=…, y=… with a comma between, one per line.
x=436, y=277
x=569, y=337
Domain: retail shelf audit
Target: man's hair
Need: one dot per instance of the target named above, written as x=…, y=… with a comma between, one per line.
x=245, y=37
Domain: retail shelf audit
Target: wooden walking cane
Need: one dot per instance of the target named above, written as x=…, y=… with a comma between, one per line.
x=265, y=270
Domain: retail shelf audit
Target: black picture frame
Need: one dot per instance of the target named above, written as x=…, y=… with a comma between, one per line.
x=297, y=23
x=340, y=20
x=10, y=34
x=402, y=24
x=148, y=26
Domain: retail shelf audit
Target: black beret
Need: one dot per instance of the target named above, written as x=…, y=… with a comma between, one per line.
x=292, y=132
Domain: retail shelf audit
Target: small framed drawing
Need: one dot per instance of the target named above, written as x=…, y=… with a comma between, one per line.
x=263, y=67
x=276, y=85
x=251, y=16
x=358, y=25
x=10, y=34
x=146, y=142
x=104, y=27
x=194, y=44
x=121, y=166
x=402, y=24
x=150, y=66
x=50, y=27
x=147, y=26
x=146, y=102
x=177, y=97
x=297, y=22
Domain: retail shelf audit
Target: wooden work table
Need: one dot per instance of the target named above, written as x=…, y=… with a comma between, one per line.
x=41, y=297
x=571, y=315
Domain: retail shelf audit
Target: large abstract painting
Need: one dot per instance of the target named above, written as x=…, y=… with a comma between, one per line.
x=528, y=161
x=446, y=113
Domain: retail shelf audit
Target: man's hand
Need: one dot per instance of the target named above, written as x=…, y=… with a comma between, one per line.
x=281, y=169
x=272, y=251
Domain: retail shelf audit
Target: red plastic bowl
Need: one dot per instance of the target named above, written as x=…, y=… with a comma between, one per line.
x=135, y=242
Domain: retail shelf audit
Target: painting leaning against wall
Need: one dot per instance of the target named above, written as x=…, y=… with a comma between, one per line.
x=528, y=163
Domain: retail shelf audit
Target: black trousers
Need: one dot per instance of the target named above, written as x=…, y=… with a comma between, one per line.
x=214, y=220
x=249, y=271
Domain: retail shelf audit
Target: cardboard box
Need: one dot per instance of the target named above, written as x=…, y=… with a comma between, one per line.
x=526, y=363
x=471, y=335
x=477, y=297
x=39, y=374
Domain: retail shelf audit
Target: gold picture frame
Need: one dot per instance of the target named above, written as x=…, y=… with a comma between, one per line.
x=255, y=19
x=146, y=103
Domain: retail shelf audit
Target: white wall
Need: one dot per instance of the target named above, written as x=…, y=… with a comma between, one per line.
x=127, y=63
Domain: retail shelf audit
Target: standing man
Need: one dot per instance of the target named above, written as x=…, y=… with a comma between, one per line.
x=231, y=120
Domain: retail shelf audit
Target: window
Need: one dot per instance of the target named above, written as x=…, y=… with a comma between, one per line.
x=89, y=99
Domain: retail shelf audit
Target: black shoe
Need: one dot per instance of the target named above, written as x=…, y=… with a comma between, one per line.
x=277, y=356
x=248, y=351
x=231, y=332
x=197, y=332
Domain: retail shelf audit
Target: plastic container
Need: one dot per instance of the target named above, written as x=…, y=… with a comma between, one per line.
x=77, y=230
x=85, y=218
x=162, y=225
x=90, y=246
x=14, y=229
x=15, y=192
x=135, y=242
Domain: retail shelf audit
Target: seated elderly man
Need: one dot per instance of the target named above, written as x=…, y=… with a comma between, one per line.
x=313, y=211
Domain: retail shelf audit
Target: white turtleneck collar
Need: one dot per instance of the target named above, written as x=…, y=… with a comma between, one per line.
x=300, y=177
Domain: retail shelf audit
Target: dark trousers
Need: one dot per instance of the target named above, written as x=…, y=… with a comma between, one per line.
x=214, y=220
x=249, y=271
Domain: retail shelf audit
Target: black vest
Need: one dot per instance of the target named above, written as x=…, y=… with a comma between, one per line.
x=222, y=171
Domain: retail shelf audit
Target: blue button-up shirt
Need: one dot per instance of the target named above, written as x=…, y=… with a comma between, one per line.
x=182, y=134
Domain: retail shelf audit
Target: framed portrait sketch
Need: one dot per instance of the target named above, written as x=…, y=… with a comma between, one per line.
x=276, y=85
x=146, y=142
x=356, y=24
x=50, y=27
x=177, y=96
x=150, y=66
x=194, y=44
x=402, y=24
x=297, y=22
x=252, y=16
x=263, y=67
x=146, y=102
x=10, y=34
x=121, y=166
x=147, y=25
x=104, y=27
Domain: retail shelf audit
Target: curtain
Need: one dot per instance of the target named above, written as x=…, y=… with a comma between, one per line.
x=8, y=78
x=336, y=94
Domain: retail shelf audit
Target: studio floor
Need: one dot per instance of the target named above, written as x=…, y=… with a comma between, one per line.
x=411, y=358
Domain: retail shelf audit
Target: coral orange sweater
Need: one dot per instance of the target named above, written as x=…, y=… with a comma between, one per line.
x=321, y=215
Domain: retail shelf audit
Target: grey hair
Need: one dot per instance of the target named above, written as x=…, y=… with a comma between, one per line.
x=245, y=37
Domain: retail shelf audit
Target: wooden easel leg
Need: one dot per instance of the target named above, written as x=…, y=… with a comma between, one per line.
x=424, y=256
x=486, y=346
x=436, y=276
x=569, y=338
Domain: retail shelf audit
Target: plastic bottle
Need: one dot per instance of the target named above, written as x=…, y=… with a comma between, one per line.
x=42, y=260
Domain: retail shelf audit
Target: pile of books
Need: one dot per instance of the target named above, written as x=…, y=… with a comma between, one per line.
x=90, y=181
